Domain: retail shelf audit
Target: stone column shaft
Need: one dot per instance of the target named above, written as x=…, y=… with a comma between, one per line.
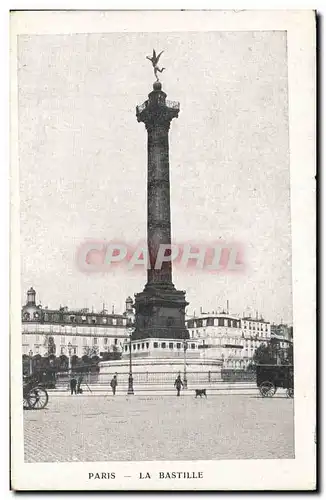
x=158, y=201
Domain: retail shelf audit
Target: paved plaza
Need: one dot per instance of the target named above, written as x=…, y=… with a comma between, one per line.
x=104, y=428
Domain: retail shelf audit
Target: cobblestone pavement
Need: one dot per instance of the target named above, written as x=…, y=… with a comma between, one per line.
x=82, y=428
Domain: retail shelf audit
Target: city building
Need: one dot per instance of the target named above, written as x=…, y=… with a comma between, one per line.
x=226, y=336
x=256, y=331
x=71, y=332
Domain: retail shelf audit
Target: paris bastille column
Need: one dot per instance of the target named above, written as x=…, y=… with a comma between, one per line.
x=160, y=308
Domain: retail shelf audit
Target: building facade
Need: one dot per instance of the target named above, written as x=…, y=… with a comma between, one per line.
x=229, y=337
x=80, y=332
x=66, y=332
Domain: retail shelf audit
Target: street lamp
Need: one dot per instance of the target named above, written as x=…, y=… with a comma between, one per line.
x=69, y=354
x=185, y=383
x=130, y=378
x=30, y=362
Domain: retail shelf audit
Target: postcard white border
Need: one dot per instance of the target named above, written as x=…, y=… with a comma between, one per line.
x=298, y=473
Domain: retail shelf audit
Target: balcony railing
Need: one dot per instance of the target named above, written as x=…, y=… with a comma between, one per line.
x=141, y=107
x=172, y=104
x=169, y=104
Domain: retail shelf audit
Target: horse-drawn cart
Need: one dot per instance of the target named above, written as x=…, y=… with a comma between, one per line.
x=271, y=377
x=35, y=396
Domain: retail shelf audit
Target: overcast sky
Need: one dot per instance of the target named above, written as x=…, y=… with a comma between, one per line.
x=83, y=162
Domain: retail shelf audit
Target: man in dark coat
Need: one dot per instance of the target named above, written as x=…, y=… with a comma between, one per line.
x=178, y=384
x=73, y=385
x=114, y=384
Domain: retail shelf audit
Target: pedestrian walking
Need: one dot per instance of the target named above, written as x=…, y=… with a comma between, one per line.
x=178, y=384
x=73, y=385
x=114, y=383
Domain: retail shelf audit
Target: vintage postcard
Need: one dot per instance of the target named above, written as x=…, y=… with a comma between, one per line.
x=163, y=250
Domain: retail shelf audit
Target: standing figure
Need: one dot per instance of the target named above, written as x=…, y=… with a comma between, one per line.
x=178, y=384
x=73, y=385
x=114, y=383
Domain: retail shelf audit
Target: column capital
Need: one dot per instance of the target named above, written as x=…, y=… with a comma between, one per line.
x=157, y=111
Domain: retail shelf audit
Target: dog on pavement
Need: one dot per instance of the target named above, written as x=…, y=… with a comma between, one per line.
x=201, y=392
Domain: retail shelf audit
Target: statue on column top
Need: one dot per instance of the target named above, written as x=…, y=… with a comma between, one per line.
x=154, y=60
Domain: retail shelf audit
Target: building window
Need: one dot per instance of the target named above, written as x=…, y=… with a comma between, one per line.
x=163, y=345
x=134, y=347
x=94, y=340
x=171, y=345
x=37, y=338
x=143, y=346
x=126, y=348
x=105, y=341
x=75, y=350
x=193, y=346
x=138, y=346
x=147, y=345
x=155, y=345
x=178, y=345
x=115, y=341
x=62, y=350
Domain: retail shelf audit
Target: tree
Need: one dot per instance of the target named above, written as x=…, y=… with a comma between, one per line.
x=273, y=354
x=251, y=367
x=263, y=355
x=50, y=345
x=111, y=355
x=91, y=351
x=63, y=363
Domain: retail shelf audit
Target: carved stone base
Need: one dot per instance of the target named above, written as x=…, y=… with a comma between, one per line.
x=160, y=313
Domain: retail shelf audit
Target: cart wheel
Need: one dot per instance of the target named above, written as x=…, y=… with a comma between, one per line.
x=267, y=389
x=290, y=392
x=26, y=405
x=38, y=398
